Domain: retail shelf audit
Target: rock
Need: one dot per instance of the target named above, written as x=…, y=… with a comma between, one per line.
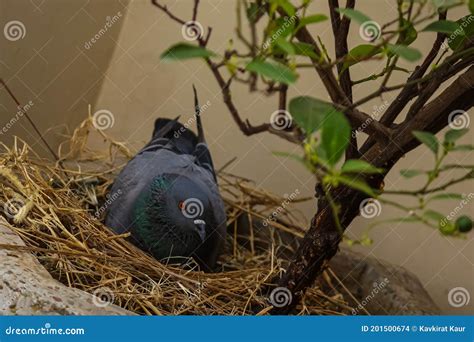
x=381, y=288
x=26, y=287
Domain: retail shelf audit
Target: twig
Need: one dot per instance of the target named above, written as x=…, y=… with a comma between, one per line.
x=340, y=28
x=195, y=9
x=469, y=175
x=402, y=99
x=164, y=8
x=55, y=156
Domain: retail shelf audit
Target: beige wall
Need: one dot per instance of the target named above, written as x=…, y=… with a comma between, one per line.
x=50, y=66
x=122, y=73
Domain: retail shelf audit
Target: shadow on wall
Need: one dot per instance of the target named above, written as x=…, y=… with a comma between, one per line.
x=54, y=56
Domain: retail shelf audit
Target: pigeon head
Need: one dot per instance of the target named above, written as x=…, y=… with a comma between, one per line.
x=174, y=216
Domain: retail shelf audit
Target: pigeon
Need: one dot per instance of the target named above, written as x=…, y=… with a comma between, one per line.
x=168, y=197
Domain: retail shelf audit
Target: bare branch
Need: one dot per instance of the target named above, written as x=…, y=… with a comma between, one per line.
x=366, y=123
x=432, y=118
x=340, y=28
x=245, y=126
x=20, y=107
x=405, y=95
x=195, y=9
x=164, y=8
x=282, y=97
x=327, y=77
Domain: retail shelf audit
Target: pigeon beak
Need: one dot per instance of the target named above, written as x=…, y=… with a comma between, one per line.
x=201, y=228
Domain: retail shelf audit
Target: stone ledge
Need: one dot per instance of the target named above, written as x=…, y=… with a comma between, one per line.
x=26, y=287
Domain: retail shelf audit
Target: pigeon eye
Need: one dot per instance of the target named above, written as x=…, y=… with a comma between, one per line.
x=180, y=204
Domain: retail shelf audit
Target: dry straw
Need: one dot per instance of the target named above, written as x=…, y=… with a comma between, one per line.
x=53, y=210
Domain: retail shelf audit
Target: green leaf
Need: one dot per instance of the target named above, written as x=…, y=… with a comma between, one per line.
x=254, y=11
x=312, y=19
x=466, y=30
x=446, y=196
x=433, y=215
x=357, y=184
x=182, y=51
x=453, y=135
x=409, y=218
x=304, y=49
x=411, y=173
x=335, y=135
x=274, y=71
x=359, y=166
x=309, y=112
x=321, y=153
x=406, y=219
x=442, y=26
x=442, y=4
x=286, y=5
x=360, y=53
x=463, y=148
x=354, y=15
x=281, y=27
x=286, y=46
x=405, y=52
x=408, y=34
x=428, y=139
x=471, y=6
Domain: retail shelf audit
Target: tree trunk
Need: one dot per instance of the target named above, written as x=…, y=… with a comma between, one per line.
x=319, y=245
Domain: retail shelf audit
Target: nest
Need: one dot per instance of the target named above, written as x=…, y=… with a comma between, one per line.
x=57, y=209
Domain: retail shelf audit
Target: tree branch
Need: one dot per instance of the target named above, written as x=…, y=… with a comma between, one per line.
x=340, y=28
x=244, y=126
x=432, y=118
x=405, y=95
x=164, y=8
x=321, y=241
x=327, y=77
